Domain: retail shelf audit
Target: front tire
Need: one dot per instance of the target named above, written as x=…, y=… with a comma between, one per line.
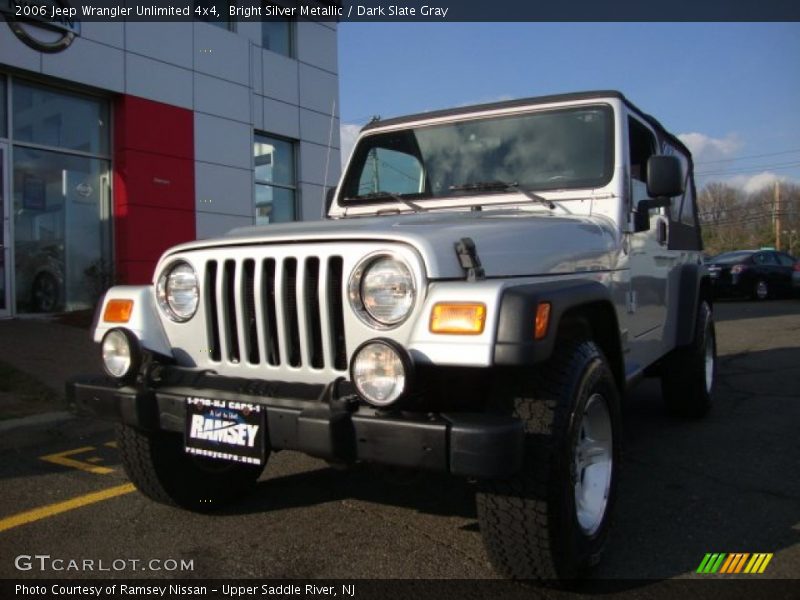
x=157, y=465
x=551, y=520
x=689, y=374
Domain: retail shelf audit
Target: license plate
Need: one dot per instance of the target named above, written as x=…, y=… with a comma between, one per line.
x=225, y=430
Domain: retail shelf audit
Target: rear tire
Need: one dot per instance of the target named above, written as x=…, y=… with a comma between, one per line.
x=551, y=520
x=761, y=290
x=159, y=468
x=689, y=374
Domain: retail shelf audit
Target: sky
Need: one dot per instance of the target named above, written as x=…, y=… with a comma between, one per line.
x=730, y=91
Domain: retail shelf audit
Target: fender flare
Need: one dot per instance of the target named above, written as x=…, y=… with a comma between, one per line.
x=693, y=283
x=514, y=342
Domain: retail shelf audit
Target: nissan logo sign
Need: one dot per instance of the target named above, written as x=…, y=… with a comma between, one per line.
x=44, y=25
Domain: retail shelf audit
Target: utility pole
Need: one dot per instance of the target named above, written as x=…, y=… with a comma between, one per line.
x=376, y=182
x=777, y=215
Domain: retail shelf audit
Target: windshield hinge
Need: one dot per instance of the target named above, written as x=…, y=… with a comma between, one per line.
x=468, y=257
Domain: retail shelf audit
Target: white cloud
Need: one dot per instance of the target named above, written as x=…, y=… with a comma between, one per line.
x=706, y=148
x=348, y=133
x=755, y=183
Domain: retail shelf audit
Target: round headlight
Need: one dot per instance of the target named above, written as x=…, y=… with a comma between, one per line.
x=380, y=372
x=121, y=354
x=382, y=291
x=178, y=291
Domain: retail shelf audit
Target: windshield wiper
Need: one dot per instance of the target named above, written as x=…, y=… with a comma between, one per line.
x=384, y=194
x=504, y=186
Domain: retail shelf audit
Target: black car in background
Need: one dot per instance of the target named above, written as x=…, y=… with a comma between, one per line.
x=759, y=274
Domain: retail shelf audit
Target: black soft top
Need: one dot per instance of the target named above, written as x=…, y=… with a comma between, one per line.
x=590, y=95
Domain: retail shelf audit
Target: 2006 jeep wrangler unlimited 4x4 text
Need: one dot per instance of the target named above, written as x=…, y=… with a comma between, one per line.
x=489, y=282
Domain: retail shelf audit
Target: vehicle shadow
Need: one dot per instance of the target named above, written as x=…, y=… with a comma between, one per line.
x=726, y=483
x=687, y=487
x=428, y=493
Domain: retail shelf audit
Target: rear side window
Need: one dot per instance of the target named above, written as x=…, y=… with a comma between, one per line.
x=786, y=260
x=687, y=206
x=765, y=258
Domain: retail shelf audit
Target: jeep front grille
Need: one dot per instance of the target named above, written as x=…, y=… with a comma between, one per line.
x=284, y=311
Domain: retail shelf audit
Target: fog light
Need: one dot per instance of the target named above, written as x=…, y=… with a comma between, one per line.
x=381, y=371
x=122, y=356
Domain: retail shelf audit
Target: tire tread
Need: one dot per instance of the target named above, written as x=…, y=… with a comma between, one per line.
x=518, y=516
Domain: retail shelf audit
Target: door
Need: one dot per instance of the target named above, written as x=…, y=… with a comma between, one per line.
x=769, y=269
x=787, y=270
x=649, y=260
x=5, y=235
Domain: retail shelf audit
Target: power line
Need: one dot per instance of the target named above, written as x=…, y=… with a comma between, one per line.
x=736, y=221
x=749, y=206
x=753, y=169
x=722, y=160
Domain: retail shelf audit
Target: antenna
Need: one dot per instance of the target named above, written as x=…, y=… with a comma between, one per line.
x=323, y=210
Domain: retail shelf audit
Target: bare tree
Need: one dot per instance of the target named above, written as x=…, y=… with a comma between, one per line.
x=732, y=220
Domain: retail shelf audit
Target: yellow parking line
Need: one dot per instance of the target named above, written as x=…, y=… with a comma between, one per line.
x=62, y=459
x=36, y=514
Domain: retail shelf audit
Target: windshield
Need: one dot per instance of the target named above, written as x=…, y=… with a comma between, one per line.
x=544, y=150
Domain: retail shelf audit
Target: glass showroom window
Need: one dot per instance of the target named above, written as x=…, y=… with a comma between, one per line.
x=61, y=199
x=276, y=185
x=277, y=35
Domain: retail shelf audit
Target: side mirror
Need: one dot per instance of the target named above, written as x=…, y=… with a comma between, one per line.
x=664, y=177
x=329, y=200
x=664, y=180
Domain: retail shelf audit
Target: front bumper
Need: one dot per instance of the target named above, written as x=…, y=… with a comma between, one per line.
x=307, y=418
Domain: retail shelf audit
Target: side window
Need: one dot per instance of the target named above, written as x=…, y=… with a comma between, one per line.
x=391, y=171
x=765, y=258
x=786, y=260
x=278, y=33
x=687, y=206
x=641, y=144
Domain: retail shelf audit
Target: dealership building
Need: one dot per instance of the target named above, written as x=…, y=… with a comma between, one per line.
x=121, y=139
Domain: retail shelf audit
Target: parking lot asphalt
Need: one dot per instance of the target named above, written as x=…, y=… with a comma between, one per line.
x=728, y=483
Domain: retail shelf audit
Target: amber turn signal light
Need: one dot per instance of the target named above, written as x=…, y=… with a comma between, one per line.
x=542, y=320
x=118, y=311
x=461, y=318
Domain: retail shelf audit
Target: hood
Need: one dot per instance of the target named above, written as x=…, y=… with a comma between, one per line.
x=509, y=243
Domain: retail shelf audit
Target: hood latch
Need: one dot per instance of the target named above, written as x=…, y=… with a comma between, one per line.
x=468, y=258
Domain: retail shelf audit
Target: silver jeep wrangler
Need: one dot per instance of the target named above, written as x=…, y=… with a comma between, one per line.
x=489, y=282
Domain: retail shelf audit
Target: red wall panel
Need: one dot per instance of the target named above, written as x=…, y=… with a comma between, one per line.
x=153, y=127
x=153, y=183
x=157, y=179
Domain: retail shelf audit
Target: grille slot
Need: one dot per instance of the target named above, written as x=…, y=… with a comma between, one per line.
x=276, y=311
x=251, y=328
x=212, y=322
x=336, y=312
x=312, y=312
x=270, y=318
x=290, y=312
x=229, y=310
